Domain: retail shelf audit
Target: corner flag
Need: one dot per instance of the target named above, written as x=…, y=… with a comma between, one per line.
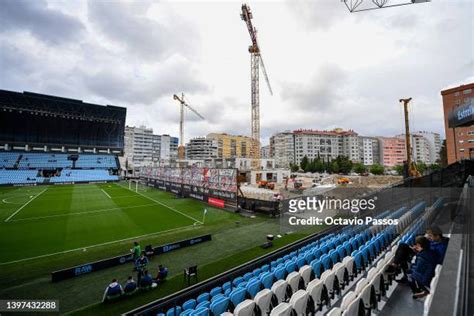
x=204, y=215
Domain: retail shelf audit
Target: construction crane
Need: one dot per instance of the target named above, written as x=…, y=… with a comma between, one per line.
x=255, y=62
x=182, y=102
x=412, y=170
x=361, y=5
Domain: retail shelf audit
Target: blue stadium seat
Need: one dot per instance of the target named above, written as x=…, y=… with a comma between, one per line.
x=253, y=288
x=317, y=267
x=189, y=304
x=267, y=279
x=215, y=291
x=174, y=311
x=220, y=306
x=203, y=297
x=237, y=295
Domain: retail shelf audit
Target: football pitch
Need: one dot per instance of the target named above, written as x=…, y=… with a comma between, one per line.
x=45, y=221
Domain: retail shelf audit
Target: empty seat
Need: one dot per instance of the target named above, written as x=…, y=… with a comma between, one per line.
x=318, y=292
x=265, y=300
x=329, y=280
x=219, y=306
x=280, y=289
x=283, y=309
x=300, y=301
x=294, y=281
x=306, y=274
x=245, y=308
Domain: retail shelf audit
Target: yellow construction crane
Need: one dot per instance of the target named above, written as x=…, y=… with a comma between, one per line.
x=412, y=170
x=182, y=102
x=255, y=61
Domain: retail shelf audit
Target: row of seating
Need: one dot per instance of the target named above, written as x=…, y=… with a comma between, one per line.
x=79, y=175
x=378, y=285
x=8, y=159
x=49, y=160
x=330, y=262
x=16, y=176
x=19, y=176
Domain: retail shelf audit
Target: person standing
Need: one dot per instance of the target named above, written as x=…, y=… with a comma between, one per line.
x=136, y=250
x=140, y=265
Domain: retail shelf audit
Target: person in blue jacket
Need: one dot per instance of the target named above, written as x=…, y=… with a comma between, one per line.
x=438, y=243
x=422, y=271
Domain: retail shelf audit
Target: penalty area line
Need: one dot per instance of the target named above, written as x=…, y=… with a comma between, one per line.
x=106, y=193
x=169, y=207
x=23, y=206
x=99, y=245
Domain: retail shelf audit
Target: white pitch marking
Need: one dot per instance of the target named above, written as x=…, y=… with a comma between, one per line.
x=106, y=194
x=96, y=245
x=21, y=207
x=169, y=207
x=80, y=213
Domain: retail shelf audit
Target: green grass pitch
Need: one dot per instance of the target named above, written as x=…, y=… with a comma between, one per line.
x=51, y=220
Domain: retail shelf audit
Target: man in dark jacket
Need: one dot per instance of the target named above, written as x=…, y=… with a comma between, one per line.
x=422, y=271
x=438, y=243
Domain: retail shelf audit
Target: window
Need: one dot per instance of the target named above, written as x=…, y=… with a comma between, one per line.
x=467, y=91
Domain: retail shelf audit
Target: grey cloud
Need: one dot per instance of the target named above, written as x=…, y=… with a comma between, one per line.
x=127, y=24
x=40, y=21
x=320, y=93
x=127, y=88
x=320, y=14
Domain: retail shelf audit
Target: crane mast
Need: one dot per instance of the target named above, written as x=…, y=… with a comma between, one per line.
x=255, y=62
x=412, y=171
x=182, y=103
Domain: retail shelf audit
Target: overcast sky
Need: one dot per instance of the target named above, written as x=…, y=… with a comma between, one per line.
x=328, y=68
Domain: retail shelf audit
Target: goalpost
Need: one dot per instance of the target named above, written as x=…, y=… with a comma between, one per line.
x=133, y=185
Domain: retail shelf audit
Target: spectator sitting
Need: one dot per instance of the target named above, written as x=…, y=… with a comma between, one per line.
x=438, y=243
x=130, y=285
x=162, y=273
x=113, y=290
x=423, y=269
x=146, y=280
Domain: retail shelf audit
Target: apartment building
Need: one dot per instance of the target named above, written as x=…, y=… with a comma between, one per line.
x=369, y=150
x=231, y=146
x=282, y=149
x=200, y=148
x=326, y=144
x=143, y=148
x=459, y=140
x=392, y=151
x=434, y=144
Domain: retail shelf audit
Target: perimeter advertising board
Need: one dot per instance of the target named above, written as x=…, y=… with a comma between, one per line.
x=197, y=183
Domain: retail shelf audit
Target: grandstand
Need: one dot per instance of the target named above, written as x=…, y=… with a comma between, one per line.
x=51, y=140
x=343, y=271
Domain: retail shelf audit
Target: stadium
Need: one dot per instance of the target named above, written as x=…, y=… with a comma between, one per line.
x=69, y=217
x=99, y=217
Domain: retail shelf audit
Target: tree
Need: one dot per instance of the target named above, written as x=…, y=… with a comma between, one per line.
x=304, y=163
x=319, y=165
x=345, y=165
x=443, y=154
x=334, y=168
x=421, y=166
x=435, y=167
x=399, y=169
x=294, y=168
x=359, y=168
x=377, y=169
